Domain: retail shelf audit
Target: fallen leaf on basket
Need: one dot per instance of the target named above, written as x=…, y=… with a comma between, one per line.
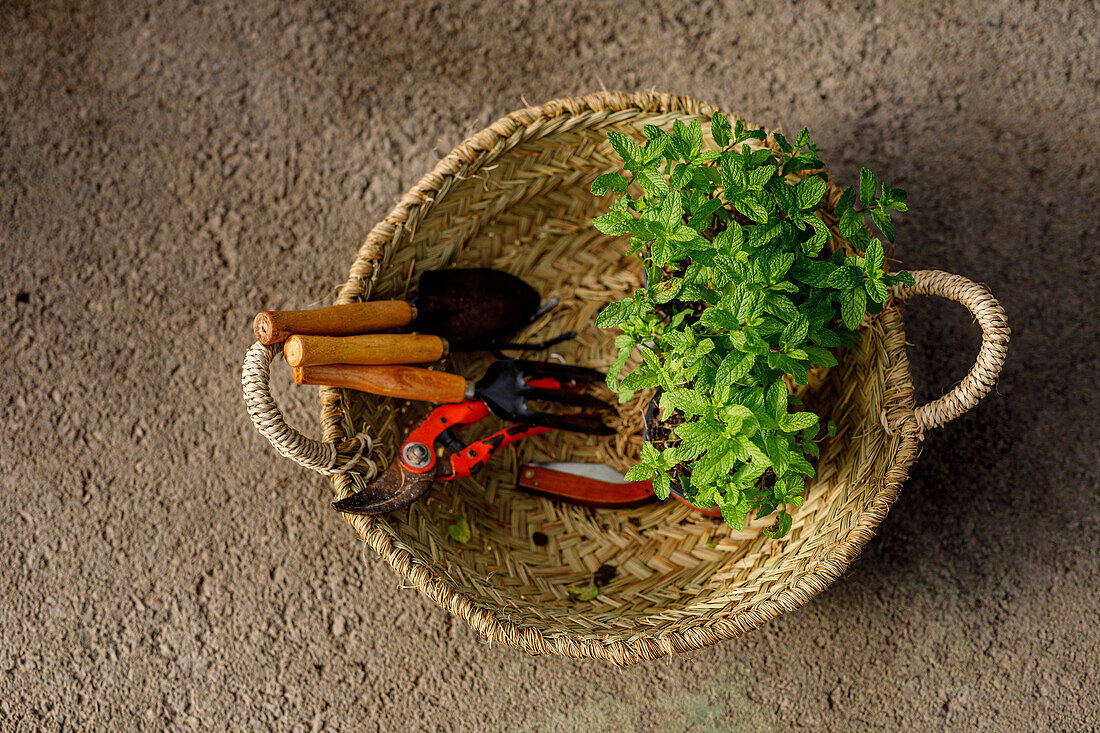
x=460, y=530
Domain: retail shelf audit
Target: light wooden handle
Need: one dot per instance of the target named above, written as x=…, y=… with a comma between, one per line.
x=271, y=327
x=403, y=382
x=377, y=348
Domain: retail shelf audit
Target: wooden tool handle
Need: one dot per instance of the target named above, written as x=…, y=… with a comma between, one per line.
x=403, y=382
x=271, y=327
x=377, y=348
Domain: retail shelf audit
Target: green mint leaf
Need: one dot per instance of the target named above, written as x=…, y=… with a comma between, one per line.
x=867, y=186
x=687, y=401
x=662, y=486
x=615, y=313
x=905, y=277
x=852, y=307
x=652, y=181
x=881, y=217
x=655, y=148
x=459, y=530
x=775, y=399
x=875, y=257
x=609, y=182
x=781, y=305
x=585, y=593
x=846, y=202
x=820, y=356
x=720, y=319
x=760, y=176
x=734, y=367
x=696, y=433
x=735, y=511
x=795, y=331
x=625, y=147
x=731, y=238
x=782, y=526
x=792, y=422
x=814, y=244
x=894, y=198
x=694, y=137
x=720, y=129
x=752, y=206
x=877, y=290
x=850, y=224
x=810, y=190
x=681, y=175
x=614, y=223
x=643, y=377
x=843, y=278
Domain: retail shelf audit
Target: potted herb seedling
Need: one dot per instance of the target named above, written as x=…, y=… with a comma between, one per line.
x=743, y=296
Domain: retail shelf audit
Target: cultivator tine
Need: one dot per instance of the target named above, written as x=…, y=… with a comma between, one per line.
x=498, y=348
x=579, y=422
x=563, y=397
x=558, y=371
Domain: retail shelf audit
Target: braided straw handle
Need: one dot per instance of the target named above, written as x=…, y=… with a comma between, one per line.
x=268, y=419
x=990, y=316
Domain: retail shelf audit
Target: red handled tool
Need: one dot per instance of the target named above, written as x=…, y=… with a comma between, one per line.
x=593, y=485
x=417, y=466
x=588, y=484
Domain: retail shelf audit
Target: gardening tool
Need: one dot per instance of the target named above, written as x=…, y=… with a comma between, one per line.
x=396, y=348
x=588, y=484
x=463, y=306
x=505, y=389
x=593, y=485
x=417, y=466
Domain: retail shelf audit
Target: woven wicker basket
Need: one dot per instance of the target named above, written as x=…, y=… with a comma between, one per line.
x=515, y=196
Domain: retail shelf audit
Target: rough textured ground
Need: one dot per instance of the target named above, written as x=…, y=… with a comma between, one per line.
x=165, y=170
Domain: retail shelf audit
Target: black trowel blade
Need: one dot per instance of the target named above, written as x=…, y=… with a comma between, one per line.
x=471, y=307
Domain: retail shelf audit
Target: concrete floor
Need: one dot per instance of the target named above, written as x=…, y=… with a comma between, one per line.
x=167, y=169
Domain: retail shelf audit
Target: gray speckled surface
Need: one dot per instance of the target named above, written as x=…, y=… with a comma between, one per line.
x=166, y=169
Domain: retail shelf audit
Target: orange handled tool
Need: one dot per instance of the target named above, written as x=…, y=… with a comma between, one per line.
x=403, y=382
x=593, y=485
x=469, y=306
x=506, y=388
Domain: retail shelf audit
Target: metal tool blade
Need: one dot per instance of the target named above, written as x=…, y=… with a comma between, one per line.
x=563, y=397
x=577, y=422
x=598, y=471
x=471, y=307
x=394, y=488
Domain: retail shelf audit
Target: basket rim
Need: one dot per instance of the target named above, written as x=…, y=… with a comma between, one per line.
x=475, y=151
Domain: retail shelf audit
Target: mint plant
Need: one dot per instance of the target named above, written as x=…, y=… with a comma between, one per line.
x=741, y=294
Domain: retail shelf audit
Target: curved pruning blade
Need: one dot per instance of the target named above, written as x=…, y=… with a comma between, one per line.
x=394, y=488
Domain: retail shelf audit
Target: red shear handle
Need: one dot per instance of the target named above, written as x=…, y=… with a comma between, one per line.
x=474, y=456
x=441, y=418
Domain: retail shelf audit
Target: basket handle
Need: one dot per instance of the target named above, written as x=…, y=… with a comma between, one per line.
x=990, y=316
x=328, y=459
